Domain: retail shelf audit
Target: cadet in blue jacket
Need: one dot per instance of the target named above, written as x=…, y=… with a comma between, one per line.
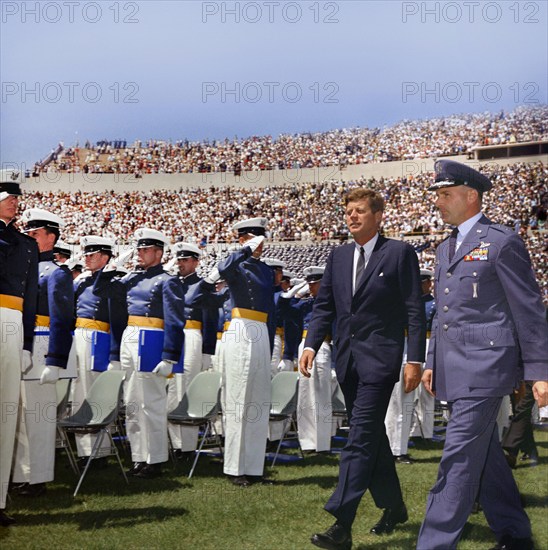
x=489, y=319
x=34, y=460
x=153, y=301
x=18, y=291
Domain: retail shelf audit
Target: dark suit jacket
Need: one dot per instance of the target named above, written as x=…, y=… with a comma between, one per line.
x=371, y=324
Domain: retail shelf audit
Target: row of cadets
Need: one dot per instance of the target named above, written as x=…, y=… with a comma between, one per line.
x=248, y=344
x=34, y=459
x=315, y=411
x=18, y=297
x=153, y=301
x=199, y=346
x=92, y=316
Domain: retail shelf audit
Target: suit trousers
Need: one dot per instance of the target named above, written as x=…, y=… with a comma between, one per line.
x=472, y=465
x=366, y=461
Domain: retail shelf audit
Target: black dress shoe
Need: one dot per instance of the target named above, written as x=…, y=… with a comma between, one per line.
x=32, y=491
x=149, y=471
x=508, y=542
x=260, y=479
x=239, y=481
x=184, y=456
x=16, y=487
x=5, y=520
x=390, y=518
x=403, y=459
x=337, y=537
x=137, y=467
x=511, y=459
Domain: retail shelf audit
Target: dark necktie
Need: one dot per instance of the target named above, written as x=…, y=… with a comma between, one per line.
x=360, y=267
x=453, y=243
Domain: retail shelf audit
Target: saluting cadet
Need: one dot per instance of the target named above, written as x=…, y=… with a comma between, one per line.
x=488, y=334
x=153, y=301
x=293, y=329
x=34, y=459
x=18, y=292
x=315, y=411
x=248, y=349
x=197, y=333
x=92, y=316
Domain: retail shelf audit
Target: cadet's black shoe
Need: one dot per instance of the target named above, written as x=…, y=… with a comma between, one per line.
x=390, y=518
x=148, y=471
x=337, y=537
x=5, y=520
x=184, y=456
x=508, y=542
x=31, y=491
x=260, y=479
x=239, y=481
x=403, y=459
x=137, y=467
x=16, y=487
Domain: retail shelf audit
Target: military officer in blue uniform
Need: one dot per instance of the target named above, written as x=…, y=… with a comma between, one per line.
x=293, y=329
x=34, y=459
x=18, y=293
x=490, y=320
x=92, y=316
x=198, y=333
x=248, y=344
x=153, y=301
x=277, y=269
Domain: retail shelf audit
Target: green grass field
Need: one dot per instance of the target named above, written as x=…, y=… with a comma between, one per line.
x=207, y=512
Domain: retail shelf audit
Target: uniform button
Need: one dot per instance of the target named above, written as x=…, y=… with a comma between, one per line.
x=445, y=327
x=352, y=336
x=449, y=274
x=445, y=308
x=446, y=291
x=475, y=274
x=491, y=343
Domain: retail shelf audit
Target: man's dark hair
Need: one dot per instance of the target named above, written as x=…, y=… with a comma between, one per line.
x=374, y=199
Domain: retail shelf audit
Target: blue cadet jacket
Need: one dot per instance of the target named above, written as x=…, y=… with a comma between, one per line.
x=251, y=284
x=153, y=293
x=19, y=274
x=56, y=306
x=429, y=310
x=206, y=317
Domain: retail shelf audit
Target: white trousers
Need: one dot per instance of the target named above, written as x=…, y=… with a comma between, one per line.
x=314, y=407
x=424, y=410
x=11, y=348
x=80, y=389
x=185, y=437
x=218, y=364
x=146, y=404
x=34, y=459
x=399, y=415
x=247, y=399
x=276, y=355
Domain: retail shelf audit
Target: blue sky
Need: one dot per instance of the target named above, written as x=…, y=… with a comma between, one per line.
x=183, y=69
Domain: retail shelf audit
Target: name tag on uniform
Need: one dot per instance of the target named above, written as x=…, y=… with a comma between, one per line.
x=477, y=255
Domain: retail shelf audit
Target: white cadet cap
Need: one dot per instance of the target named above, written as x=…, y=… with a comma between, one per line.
x=274, y=262
x=93, y=243
x=75, y=264
x=186, y=250
x=313, y=274
x=146, y=238
x=253, y=226
x=10, y=181
x=36, y=218
x=426, y=274
x=61, y=247
x=288, y=274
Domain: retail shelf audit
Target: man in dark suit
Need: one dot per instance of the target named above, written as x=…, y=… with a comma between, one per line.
x=489, y=316
x=371, y=288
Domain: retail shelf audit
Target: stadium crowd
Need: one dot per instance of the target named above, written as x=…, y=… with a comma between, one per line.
x=307, y=213
x=451, y=135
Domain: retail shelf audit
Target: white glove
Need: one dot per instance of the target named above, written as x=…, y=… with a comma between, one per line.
x=213, y=276
x=290, y=293
x=255, y=242
x=114, y=365
x=163, y=368
x=50, y=375
x=286, y=365
x=26, y=363
x=303, y=291
x=206, y=362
